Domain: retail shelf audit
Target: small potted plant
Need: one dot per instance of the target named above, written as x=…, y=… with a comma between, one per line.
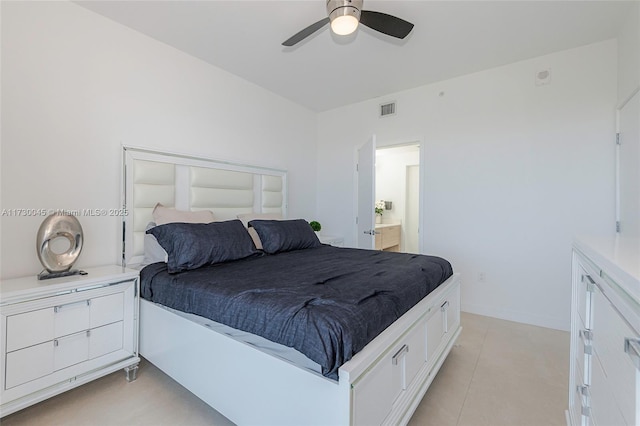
x=315, y=225
x=379, y=208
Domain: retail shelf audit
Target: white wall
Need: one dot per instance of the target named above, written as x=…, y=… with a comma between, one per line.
x=75, y=86
x=513, y=172
x=629, y=54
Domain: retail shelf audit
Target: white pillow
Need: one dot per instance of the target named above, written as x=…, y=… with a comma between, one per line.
x=162, y=215
x=153, y=251
x=248, y=217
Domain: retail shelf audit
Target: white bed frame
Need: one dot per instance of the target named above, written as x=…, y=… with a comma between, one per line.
x=382, y=384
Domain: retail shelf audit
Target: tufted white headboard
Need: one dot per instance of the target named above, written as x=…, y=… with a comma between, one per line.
x=191, y=183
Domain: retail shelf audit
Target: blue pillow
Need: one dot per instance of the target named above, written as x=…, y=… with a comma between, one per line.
x=192, y=245
x=285, y=235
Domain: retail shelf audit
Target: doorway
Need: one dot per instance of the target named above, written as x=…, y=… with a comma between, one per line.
x=397, y=184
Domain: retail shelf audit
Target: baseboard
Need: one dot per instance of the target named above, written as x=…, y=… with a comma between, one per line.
x=521, y=317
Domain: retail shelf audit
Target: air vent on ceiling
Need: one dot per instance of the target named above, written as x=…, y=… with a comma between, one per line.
x=387, y=109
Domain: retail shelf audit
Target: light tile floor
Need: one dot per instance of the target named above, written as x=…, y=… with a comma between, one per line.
x=498, y=373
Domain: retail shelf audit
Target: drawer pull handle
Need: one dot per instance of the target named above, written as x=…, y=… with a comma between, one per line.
x=56, y=343
x=396, y=357
x=632, y=347
x=587, y=337
x=588, y=277
x=591, y=284
x=584, y=391
x=57, y=309
x=444, y=306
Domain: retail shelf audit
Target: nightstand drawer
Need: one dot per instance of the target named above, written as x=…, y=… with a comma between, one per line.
x=32, y=328
x=29, y=364
x=70, y=350
x=107, y=309
x=69, y=318
x=104, y=340
x=29, y=328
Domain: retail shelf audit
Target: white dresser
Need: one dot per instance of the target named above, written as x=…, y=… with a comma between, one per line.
x=60, y=333
x=604, y=381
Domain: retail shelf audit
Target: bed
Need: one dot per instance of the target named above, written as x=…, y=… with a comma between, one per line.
x=316, y=367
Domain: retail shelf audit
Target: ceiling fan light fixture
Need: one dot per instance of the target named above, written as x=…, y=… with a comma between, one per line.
x=344, y=25
x=344, y=15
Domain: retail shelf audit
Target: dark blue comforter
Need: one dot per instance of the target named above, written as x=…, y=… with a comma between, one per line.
x=326, y=302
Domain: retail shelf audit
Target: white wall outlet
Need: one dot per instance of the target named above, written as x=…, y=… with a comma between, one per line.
x=481, y=277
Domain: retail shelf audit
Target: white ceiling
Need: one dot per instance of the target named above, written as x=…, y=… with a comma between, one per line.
x=450, y=38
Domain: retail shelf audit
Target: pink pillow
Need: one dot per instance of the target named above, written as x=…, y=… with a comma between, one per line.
x=248, y=217
x=162, y=215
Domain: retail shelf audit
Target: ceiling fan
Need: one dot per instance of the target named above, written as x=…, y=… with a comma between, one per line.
x=345, y=15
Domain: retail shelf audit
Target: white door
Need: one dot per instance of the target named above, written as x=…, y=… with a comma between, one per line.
x=629, y=168
x=366, y=192
x=412, y=208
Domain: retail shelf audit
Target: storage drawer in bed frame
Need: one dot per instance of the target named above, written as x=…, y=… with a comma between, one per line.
x=387, y=390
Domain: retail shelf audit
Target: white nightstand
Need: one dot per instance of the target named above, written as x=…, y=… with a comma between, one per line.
x=333, y=240
x=63, y=332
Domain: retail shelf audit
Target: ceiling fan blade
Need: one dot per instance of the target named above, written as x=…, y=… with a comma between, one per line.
x=386, y=24
x=298, y=37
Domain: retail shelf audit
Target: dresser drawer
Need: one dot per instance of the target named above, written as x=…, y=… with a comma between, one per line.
x=580, y=400
x=29, y=328
x=615, y=364
x=106, y=339
x=28, y=364
x=38, y=361
x=70, y=318
x=584, y=351
x=107, y=309
x=42, y=325
x=604, y=407
x=70, y=350
x=585, y=294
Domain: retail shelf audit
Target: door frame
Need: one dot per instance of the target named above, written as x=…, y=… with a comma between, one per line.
x=621, y=105
x=392, y=143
